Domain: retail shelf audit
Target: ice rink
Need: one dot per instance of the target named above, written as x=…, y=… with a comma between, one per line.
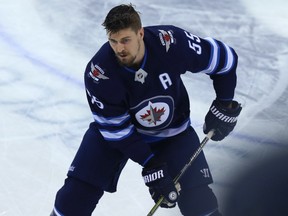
x=44, y=48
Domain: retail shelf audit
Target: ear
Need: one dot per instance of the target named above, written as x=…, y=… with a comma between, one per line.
x=141, y=33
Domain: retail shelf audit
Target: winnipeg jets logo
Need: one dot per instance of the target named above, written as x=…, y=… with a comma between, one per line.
x=166, y=38
x=153, y=115
x=97, y=73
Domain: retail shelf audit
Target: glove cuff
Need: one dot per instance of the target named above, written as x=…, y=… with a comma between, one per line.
x=154, y=174
x=232, y=109
x=230, y=104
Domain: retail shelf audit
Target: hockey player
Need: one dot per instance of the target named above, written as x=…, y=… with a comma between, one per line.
x=141, y=112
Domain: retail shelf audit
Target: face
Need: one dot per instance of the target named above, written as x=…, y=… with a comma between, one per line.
x=128, y=46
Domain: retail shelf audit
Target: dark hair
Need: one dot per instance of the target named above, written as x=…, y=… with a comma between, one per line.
x=121, y=17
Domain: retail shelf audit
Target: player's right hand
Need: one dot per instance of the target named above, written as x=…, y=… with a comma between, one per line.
x=160, y=184
x=222, y=119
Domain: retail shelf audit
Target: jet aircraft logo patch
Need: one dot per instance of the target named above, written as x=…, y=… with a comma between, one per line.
x=97, y=73
x=153, y=115
x=166, y=38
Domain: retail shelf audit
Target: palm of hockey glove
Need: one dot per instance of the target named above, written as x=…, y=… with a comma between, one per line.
x=222, y=119
x=160, y=184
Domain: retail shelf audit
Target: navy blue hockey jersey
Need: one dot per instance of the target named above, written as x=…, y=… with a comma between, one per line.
x=134, y=107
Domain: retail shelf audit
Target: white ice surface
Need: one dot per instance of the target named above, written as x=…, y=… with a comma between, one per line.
x=44, y=47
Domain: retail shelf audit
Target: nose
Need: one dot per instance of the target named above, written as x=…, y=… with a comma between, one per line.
x=119, y=48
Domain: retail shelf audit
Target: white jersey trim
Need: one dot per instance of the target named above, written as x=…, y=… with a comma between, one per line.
x=56, y=212
x=166, y=133
x=111, y=121
x=213, y=64
x=117, y=135
x=229, y=60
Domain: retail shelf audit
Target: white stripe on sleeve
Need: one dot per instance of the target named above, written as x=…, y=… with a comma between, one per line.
x=117, y=135
x=111, y=121
x=229, y=60
x=214, y=59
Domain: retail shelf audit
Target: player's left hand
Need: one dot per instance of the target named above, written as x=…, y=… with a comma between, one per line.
x=222, y=118
x=160, y=184
x=156, y=196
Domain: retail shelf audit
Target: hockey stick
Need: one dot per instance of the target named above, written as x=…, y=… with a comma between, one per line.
x=182, y=172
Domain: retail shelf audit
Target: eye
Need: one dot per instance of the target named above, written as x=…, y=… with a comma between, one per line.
x=125, y=40
x=112, y=42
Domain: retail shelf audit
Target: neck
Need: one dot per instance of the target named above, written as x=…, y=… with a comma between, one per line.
x=141, y=54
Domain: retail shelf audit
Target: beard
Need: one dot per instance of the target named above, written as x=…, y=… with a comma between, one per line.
x=127, y=59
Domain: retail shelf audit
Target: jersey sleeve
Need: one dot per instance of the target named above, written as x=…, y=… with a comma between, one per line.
x=211, y=57
x=106, y=98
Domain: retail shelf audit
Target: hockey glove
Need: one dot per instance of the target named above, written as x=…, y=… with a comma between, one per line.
x=222, y=119
x=160, y=183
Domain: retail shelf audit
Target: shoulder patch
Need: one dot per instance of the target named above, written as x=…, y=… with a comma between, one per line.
x=97, y=73
x=166, y=38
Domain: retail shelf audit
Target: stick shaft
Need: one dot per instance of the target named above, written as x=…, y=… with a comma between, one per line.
x=182, y=172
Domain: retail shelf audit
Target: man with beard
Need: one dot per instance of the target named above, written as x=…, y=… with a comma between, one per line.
x=141, y=112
